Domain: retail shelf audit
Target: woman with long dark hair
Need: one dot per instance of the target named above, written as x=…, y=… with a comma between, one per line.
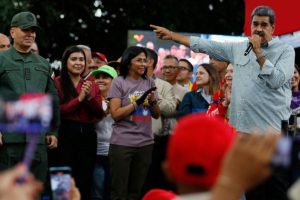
x=132, y=105
x=80, y=108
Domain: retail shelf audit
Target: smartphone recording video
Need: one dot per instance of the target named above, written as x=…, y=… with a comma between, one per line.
x=60, y=180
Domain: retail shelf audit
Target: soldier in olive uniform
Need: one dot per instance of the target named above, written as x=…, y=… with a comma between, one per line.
x=22, y=71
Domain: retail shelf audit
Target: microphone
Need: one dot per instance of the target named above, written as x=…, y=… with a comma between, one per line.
x=250, y=45
x=249, y=48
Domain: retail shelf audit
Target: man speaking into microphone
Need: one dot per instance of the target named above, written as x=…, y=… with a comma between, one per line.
x=261, y=92
x=250, y=45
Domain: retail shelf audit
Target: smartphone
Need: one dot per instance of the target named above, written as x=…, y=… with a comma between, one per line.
x=150, y=90
x=60, y=179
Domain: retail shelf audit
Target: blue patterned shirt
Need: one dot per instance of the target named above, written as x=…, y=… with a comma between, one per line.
x=260, y=98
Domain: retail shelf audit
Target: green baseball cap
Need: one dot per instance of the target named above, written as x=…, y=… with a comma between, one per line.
x=105, y=69
x=24, y=20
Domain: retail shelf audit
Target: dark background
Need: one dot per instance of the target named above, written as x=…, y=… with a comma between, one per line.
x=108, y=33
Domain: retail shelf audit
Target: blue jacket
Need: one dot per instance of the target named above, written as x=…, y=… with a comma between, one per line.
x=192, y=102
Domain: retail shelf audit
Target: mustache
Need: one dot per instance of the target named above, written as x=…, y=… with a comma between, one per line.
x=259, y=33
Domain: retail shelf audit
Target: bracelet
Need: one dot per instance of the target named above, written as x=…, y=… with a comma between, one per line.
x=259, y=58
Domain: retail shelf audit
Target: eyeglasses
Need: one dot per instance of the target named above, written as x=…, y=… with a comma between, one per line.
x=184, y=68
x=169, y=67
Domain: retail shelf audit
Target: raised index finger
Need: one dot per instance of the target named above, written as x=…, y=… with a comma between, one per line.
x=154, y=26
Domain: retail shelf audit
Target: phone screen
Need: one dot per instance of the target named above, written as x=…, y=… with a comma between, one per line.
x=282, y=156
x=60, y=178
x=287, y=154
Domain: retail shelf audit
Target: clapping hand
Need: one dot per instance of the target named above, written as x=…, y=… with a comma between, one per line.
x=148, y=94
x=85, y=91
x=227, y=99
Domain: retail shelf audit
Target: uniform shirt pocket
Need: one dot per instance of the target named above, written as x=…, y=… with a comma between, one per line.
x=12, y=78
x=39, y=78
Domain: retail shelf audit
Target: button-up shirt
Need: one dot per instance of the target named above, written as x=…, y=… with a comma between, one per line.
x=261, y=98
x=26, y=73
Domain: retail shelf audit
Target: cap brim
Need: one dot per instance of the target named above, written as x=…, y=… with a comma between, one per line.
x=35, y=27
x=96, y=73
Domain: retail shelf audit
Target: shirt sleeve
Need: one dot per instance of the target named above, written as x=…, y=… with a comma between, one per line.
x=51, y=89
x=115, y=90
x=218, y=50
x=185, y=106
x=277, y=74
x=66, y=107
x=167, y=100
x=70, y=106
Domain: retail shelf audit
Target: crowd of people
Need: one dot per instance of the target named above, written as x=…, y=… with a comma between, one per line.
x=128, y=134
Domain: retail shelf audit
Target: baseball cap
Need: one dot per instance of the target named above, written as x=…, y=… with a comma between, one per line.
x=196, y=149
x=24, y=20
x=159, y=194
x=101, y=56
x=105, y=69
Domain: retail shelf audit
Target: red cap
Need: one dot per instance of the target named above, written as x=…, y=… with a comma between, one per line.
x=196, y=149
x=159, y=194
x=99, y=55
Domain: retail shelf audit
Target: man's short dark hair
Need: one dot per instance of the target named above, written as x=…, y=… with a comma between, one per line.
x=191, y=68
x=264, y=11
x=171, y=57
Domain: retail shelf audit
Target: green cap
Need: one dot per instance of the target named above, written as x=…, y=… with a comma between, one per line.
x=24, y=20
x=105, y=69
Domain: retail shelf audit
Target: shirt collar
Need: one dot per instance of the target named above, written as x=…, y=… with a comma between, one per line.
x=271, y=42
x=21, y=56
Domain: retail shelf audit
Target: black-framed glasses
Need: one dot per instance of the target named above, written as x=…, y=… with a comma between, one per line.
x=182, y=68
x=169, y=67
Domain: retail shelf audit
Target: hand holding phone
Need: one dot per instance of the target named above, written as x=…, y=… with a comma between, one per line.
x=144, y=96
x=60, y=178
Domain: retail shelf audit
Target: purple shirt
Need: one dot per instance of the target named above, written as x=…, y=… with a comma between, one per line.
x=295, y=100
x=134, y=130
